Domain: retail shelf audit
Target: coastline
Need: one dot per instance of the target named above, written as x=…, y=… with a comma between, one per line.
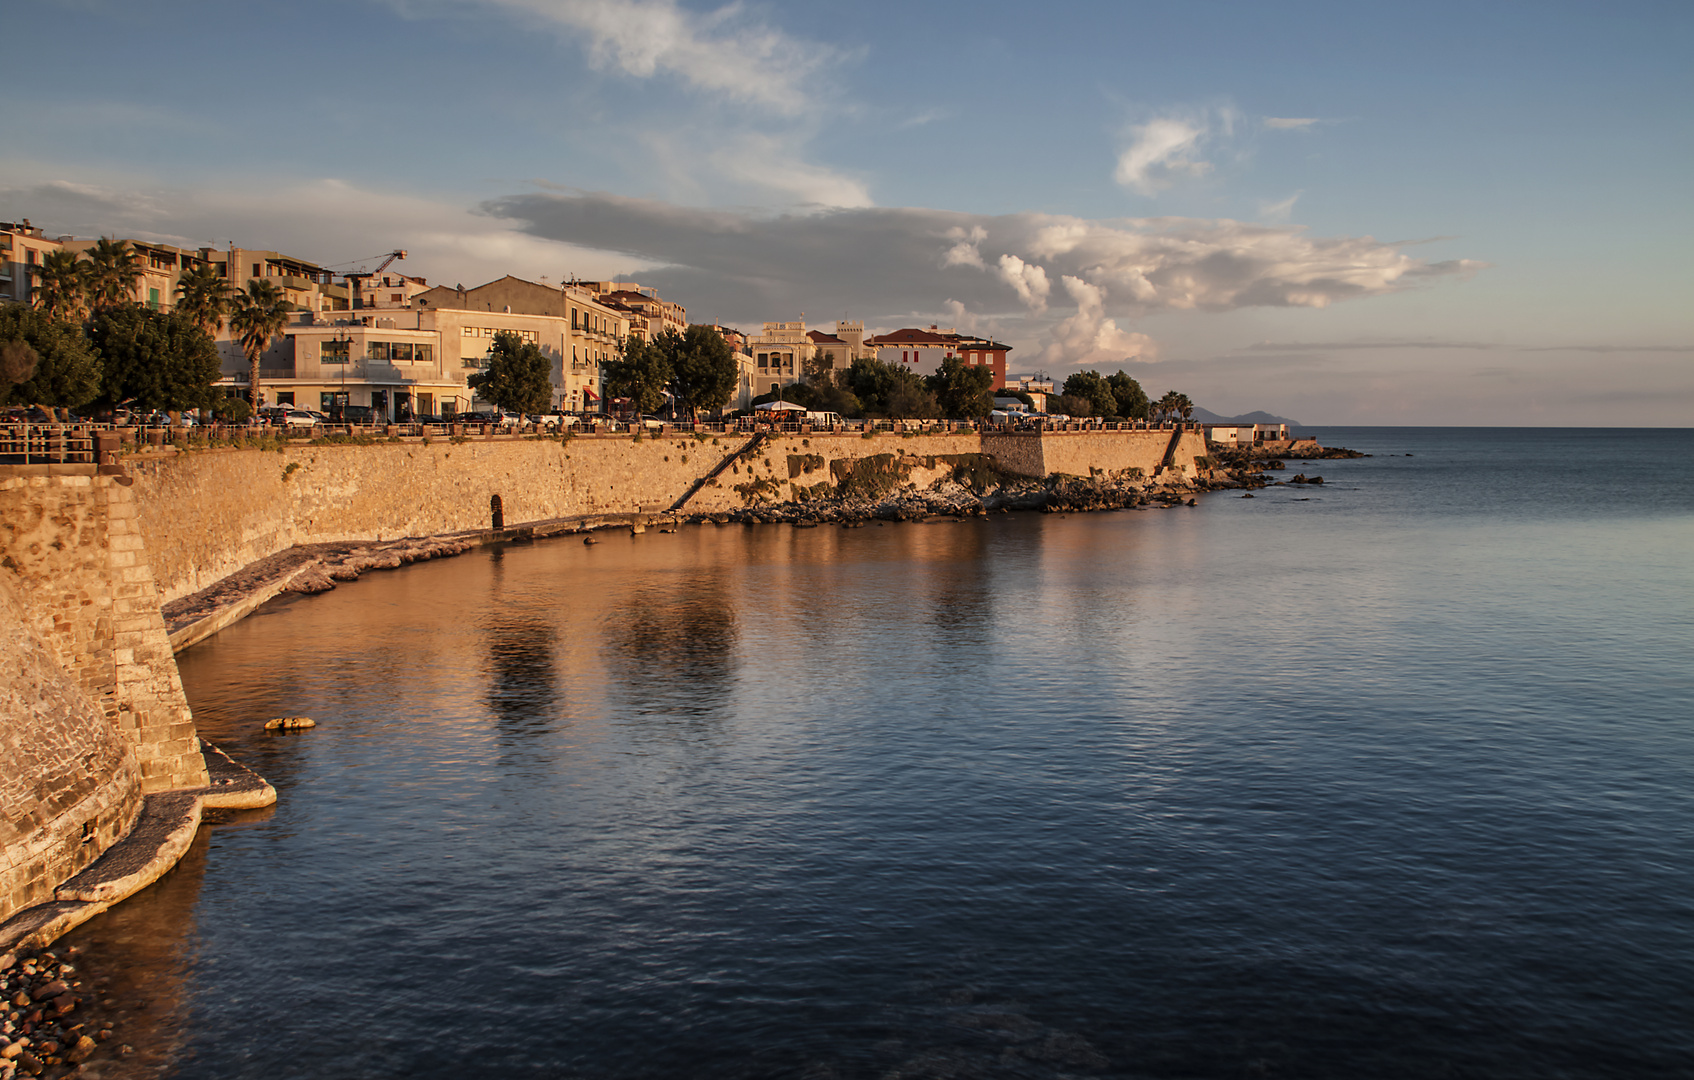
x=317, y=568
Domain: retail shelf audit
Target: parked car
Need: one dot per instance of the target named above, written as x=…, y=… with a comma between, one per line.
x=494, y=417
x=558, y=420
x=288, y=416
x=647, y=420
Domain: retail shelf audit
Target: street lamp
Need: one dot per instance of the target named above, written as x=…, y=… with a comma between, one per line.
x=344, y=357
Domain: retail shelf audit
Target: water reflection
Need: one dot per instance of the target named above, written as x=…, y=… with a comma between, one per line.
x=671, y=650
x=523, y=690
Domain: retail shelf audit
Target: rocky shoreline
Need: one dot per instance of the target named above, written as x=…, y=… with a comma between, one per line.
x=56, y=1017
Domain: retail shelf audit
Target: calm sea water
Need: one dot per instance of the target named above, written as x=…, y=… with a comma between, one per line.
x=1388, y=778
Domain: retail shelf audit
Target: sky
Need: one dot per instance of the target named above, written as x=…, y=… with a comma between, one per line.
x=1343, y=213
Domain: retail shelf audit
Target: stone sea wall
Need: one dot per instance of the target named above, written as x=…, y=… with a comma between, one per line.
x=207, y=514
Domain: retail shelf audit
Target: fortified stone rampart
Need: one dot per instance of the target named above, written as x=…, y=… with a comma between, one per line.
x=69, y=783
x=73, y=554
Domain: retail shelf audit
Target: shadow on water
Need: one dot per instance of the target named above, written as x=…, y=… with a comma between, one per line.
x=137, y=961
x=671, y=651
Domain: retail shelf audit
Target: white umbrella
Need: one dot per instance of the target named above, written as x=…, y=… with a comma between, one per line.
x=779, y=406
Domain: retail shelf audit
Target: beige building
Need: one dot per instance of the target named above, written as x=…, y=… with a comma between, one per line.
x=649, y=314
x=402, y=363
x=780, y=353
x=306, y=285
x=22, y=248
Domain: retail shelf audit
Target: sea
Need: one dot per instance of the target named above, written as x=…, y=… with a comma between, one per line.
x=1391, y=776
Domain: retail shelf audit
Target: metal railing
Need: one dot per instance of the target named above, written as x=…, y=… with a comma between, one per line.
x=47, y=444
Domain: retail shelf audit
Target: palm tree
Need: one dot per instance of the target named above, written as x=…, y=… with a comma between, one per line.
x=260, y=315
x=113, y=270
x=61, y=285
x=205, y=298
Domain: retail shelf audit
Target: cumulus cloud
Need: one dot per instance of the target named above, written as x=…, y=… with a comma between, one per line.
x=723, y=52
x=966, y=251
x=1028, y=280
x=960, y=317
x=1089, y=337
x=882, y=263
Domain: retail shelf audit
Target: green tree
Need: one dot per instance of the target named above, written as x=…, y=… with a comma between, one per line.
x=962, y=391
x=66, y=373
x=1088, y=386
x=1132, y=400
x=259, y=317
x=1173, y=404
x=113, y=270
x=156, y=359
x=518, y=377
x=60, y=288
x=890, y=390
x=205, y=297
x=640, y=372
x=1069, y=405
x=703, y=368
x=231, y=410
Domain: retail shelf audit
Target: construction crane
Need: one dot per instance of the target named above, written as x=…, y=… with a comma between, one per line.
x=356, y=278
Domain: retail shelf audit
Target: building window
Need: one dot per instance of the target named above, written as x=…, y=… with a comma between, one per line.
x=378, y=350
x=400, y=350
x=153, y=299
x=424, y=354
x=337, y=352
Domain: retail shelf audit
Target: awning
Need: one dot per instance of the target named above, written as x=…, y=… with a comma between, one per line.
x=589, y=394
x=783, y=406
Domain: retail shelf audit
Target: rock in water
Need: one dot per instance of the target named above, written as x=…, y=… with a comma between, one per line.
x=290, y=723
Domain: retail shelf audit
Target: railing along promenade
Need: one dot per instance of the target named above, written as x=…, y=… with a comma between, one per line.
x=83, y=444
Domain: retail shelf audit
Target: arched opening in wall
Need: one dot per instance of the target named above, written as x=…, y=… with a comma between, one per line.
x=497, y=512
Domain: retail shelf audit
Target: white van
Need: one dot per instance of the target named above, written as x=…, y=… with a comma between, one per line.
x=821, y=419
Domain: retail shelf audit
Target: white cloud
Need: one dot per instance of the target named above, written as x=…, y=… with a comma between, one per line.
x=1090, y=338
x=772, y=164
x=1279, y=211
x=959, y=316
x=1028, y=280
x=1160, y=150
x=722, y=52
x=884, y=263
x=966, y=252
x=1290, y=123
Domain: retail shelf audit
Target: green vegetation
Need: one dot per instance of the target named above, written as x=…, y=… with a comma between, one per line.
x=65, y=371
x=518, y=377
x=703, y=370
x=1087, y=393
x=153, y=359
x=204, y=298
x=110, y=275
x=640, y=372
x=962, y=391
x=260, y=315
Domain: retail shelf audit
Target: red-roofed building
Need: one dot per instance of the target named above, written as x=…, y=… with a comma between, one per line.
x=922, y=351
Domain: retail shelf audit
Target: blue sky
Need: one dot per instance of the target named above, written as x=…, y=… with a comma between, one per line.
x=1340, y=212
